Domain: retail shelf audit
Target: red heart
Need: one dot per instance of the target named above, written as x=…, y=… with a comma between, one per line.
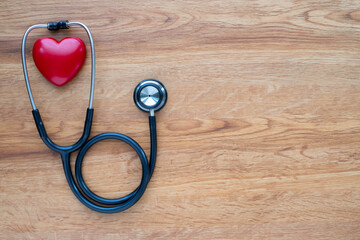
x=59, y=62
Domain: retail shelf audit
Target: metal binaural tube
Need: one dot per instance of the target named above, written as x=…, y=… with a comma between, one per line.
x=24, y=62
x=23, y=58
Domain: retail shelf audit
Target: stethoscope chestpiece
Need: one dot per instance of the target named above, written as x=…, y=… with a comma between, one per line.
x=150, y=95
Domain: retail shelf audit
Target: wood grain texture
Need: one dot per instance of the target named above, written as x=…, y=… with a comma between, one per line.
x=260, y=138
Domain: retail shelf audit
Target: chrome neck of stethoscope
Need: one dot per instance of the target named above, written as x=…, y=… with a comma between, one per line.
x=26, y=75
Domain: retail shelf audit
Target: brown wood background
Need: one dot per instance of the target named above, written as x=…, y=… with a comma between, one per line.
x=260, y=138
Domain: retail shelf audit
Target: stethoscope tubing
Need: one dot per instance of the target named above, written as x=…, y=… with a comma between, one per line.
x=79, y=187
x=147, y=167
x=106, y=205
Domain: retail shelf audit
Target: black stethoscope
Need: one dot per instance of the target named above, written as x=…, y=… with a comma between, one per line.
x=150, y=96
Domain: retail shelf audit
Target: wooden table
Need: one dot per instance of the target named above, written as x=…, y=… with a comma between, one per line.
x=260, y=138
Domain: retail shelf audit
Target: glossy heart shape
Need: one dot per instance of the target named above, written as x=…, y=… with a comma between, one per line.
x=59, y=62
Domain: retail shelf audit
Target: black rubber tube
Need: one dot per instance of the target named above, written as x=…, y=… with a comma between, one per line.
x=78, y=186
x=106, y=205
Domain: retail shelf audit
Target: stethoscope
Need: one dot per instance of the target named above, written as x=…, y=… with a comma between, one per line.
x=149, y=96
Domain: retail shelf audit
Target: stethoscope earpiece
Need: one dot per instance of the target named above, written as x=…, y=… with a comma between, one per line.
x=150, y=95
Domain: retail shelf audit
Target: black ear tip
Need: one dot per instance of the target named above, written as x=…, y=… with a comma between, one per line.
x=150, y=94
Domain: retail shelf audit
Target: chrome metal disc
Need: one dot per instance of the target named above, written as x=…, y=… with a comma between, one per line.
x=150, y=94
